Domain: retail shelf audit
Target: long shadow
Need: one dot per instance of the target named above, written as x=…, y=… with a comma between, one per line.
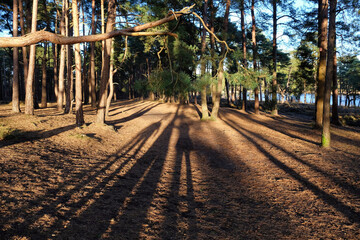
x=351, y=214
x=134, y=115
x=35, y=135
x=53, y=197
x=274, y=126
x=125, y=106
x=123, y=205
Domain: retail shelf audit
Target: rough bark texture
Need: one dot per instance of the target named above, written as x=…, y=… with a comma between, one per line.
x=78, y=83
x=335, y=112
x=325, y=136
x=323, y=24
x=15, y=86
x=274, y=110
x=220, y=73
x=29, y=94
x=92, y=59
x=204, y=107
x=100, y=117
x=243, y=33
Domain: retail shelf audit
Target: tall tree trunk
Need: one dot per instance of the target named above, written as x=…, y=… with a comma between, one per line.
x=69, y=57
x=274, y=110
x=78, y=83
x=219, y=86
x=92, y=59
x=325, y=138
x=43, y=80
x=85, y=75
x=212, y=49
x=29, y=94
x=323, y=24
x=100, y=117
x=204, y=107
x=15, y=87
x=243, y=33
x=254, y=46
x=335, y=113
x=55, y=55
x=61, y=85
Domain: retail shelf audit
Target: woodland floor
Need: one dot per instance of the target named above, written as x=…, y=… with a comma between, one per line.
x=161, y=173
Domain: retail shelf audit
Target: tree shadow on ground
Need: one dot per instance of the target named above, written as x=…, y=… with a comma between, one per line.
x=352, y=214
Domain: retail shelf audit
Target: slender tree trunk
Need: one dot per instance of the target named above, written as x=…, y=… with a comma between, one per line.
x=212, y=49
x=43, y=80
x=61, y=85
x=55, y=54
x=325, y=138
x=243, y=33
x=92, y=59
x=323, y=24
x=274, y=110
x=78, y=83
x=219, y=86
x=100, y=117
x=85, y=75
x=204, y=107
x=335, y=113
x=24, y=49
x=29, y=94
x=69, y=53
x=15, y=87
x=254, y=46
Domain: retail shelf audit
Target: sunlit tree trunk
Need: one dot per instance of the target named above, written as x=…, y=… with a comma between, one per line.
x=335, y=113
x=29, y=93
x=78, y=84
x=24, y=49
x=274, y=110
x=69, y=58
x=61, y=85
x=323, y=24
x=15, y=87
x=203, y=91
x=325, y=138
x=219, y=86
x=111, y=79
x=212, y=49
x=100, y=117
x=92, y=59
x=254, y=46
x=55, y=55
x=243, y=34
x=85, y=72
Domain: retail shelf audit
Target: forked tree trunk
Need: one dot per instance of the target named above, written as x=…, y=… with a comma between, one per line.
x=15, y=87
x=325, y=137
x=29, y=93
x=78, y=84
x=323, y=24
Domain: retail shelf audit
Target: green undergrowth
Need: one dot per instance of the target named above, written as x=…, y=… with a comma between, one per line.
x=7, y=133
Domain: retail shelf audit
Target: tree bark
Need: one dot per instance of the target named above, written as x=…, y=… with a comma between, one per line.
x=219, y=86
x=15, y=86
x=243, y=34
x=323, y=24
x=61, y=85
x=203, y=91
x=29, y=94
x=325, y=138
x=43, y=80
x=335, y=112
x=78, y=84
x=111, y=79
x=254, y=46
x=274, y=110
x=100, y=117
x=92, y=59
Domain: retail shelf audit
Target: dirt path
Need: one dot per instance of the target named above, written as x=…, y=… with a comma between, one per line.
x=163, y=174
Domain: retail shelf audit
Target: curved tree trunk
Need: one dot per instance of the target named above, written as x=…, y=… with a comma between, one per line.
x=100, y=117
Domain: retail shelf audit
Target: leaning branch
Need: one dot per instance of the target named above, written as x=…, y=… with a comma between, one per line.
x=42, y=35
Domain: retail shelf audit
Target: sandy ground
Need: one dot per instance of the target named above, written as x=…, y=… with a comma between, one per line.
x=161, y=173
